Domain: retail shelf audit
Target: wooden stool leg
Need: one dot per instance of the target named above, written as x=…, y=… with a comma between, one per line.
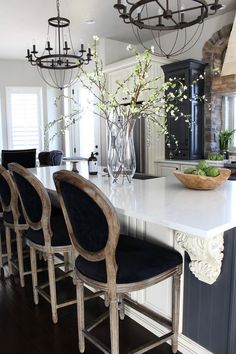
x=114, y=326
x=1, y=260
x=121, y=308
x=33, y=263
x=80, y=314
x=74, y=277
x=20, y=257
x=175, y=311
x=8, y=244
x=52, y=286
x=66, y=262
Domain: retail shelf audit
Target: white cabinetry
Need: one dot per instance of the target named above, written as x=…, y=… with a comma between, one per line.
x=154, y=141
x=119, y=75
x=167, y=168
x=164, y=170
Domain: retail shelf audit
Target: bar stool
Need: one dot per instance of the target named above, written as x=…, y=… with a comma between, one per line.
x=26, y=157
x=50, y=158
x=12, y=220
x=47, y=233
x=113, y=263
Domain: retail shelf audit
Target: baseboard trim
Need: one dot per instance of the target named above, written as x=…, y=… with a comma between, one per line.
x=186, y=345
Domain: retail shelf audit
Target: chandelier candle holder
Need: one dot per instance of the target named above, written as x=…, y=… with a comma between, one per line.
x=158, y=16
x=58, y=66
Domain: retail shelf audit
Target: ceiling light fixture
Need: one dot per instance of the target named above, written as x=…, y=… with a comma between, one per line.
x=159, y=16
x=90, y=22
x=59, y=66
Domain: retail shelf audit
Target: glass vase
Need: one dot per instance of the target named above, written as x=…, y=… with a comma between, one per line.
x=121, y=160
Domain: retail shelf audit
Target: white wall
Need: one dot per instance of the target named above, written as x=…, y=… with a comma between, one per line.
x=21, y=73
x=114, y=51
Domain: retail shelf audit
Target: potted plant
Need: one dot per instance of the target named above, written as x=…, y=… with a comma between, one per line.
x=225, y=139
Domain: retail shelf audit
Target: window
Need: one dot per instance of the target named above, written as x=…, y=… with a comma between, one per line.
x=24, y=117
x=229, y=115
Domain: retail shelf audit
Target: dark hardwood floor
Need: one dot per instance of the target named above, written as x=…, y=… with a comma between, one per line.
x=26, y=328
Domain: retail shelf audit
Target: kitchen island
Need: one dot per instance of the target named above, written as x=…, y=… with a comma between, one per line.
x=162, y=210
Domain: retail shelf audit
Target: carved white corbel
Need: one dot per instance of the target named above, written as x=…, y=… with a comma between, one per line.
x=206, y=255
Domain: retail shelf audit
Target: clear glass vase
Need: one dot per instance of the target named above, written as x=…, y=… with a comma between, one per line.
x=121, y=160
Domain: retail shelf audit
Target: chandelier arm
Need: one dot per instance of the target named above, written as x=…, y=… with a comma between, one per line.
x=44, y=79
x=160, y=5
x=175, y=42
x=159, y=43
x=159, y=38
x=187, y=42
x=137, y=35
x=71, y=41
x=184, y=51
x=54, y=78
x=163, y=52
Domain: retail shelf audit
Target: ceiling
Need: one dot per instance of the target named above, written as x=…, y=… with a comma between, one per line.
x=24, y=22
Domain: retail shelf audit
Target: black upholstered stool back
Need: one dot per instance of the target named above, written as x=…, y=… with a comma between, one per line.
x=34, y=198
x=91, y=219
x=13, y=220
x=26, y=158
x=8, y=196
x=50, y=158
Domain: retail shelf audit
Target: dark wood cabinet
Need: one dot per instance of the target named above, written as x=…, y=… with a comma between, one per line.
x=189, y=136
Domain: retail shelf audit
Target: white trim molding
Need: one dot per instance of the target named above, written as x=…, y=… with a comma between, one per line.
x=206, y=255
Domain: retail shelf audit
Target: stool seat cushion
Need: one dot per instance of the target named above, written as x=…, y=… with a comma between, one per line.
x=60, y=234
x=137, y=260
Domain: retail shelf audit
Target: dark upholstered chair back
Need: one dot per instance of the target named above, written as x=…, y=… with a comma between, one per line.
x=34, y=198
x=26, y=158
x=50, y=158
x=91, y=219
x=8, y=194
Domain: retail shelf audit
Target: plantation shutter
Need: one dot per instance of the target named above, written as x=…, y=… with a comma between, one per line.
x=24, y=118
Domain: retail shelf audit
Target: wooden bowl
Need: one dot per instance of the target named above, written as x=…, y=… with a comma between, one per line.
x=203, y=182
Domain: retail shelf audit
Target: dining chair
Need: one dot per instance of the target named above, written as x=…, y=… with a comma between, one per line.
x=47, y=233
x=13, y=220
x=26, y=157
x=114, y=263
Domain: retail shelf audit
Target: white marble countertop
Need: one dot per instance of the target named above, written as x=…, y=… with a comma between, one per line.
x=164, y=201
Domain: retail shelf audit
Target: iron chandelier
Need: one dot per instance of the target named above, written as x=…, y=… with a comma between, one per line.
x=58, y=66
x=158, y=16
